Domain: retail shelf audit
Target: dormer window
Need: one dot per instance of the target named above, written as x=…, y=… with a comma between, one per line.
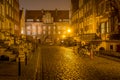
x=47, y=18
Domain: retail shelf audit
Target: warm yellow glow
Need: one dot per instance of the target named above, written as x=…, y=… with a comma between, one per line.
x=69, y=30
x=22, y=32
x=63, y=36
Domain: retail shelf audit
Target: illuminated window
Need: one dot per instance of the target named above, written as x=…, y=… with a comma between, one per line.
x=47, y=18
x=7, y=9
x=28, y=27
x=37, y=20
x=66, y=20
x=43, y=32
x=60, y=20
x=33, y=30
x=59, y=27
x=107, y=26
x=22, y=30
x=49, y=27
x=54, y=27
x=59, y=32
x=103, y=28
x=29, y=19
x=39, y=30
x=49, y=32
x=28, y=32
x=44, y=27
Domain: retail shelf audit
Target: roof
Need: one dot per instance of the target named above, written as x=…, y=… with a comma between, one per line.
x=38, y=14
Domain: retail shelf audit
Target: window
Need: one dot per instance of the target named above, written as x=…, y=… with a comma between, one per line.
x=7, y=9
x=29, y=19
x=28, y=32
x=102, y=28
x=49, y=27
x=39, y=30
x=59, y=32
x=60, y=20
x=59, y=27
x=44, y=27
x=43, y=32
x=49, y=32
x=111, y=47
x=66, y=20
x=47, y=18
x=34, y=30
x=37, y=20
x=107, y=27
x=54, y=27
x=28, y=27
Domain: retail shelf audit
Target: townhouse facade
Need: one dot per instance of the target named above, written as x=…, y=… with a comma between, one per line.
x=12, y=15
x=10, y=19
x=2, y=16
x=47, y=25
x=97, y=22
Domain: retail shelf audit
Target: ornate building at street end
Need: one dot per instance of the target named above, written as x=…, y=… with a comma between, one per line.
x=47, y=25
x=97, y=22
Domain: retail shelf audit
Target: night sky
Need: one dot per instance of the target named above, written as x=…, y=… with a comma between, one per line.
x=45, y=4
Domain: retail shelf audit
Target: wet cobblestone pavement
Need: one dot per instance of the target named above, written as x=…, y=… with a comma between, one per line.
x=60, y=63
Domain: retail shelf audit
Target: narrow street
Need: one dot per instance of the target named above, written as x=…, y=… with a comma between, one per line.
x=60, y=63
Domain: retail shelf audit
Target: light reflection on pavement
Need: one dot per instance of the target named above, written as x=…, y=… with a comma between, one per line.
x=60, y=63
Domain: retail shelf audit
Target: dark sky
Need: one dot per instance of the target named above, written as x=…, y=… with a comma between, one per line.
x=45, y=4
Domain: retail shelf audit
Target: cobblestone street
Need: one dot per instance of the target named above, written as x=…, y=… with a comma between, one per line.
x=60, y=63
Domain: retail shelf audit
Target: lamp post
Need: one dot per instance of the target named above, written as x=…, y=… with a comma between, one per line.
x=68, y=39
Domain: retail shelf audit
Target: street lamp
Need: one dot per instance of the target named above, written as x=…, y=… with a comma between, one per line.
x=69, y=30
x=63, y=36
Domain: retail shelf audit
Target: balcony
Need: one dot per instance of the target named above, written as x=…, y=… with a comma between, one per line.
x=114, y=37
x=89, y=37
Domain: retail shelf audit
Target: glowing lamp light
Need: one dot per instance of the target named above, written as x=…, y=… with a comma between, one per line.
x=63, y=36
x=69, y=30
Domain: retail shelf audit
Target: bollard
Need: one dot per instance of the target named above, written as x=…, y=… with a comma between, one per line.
x=91, y=54
x=25, y=58
x=19, y=67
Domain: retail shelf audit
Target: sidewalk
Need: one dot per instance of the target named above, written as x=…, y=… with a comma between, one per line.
x=99, y=55
x=9, y=70
x=109, y=57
